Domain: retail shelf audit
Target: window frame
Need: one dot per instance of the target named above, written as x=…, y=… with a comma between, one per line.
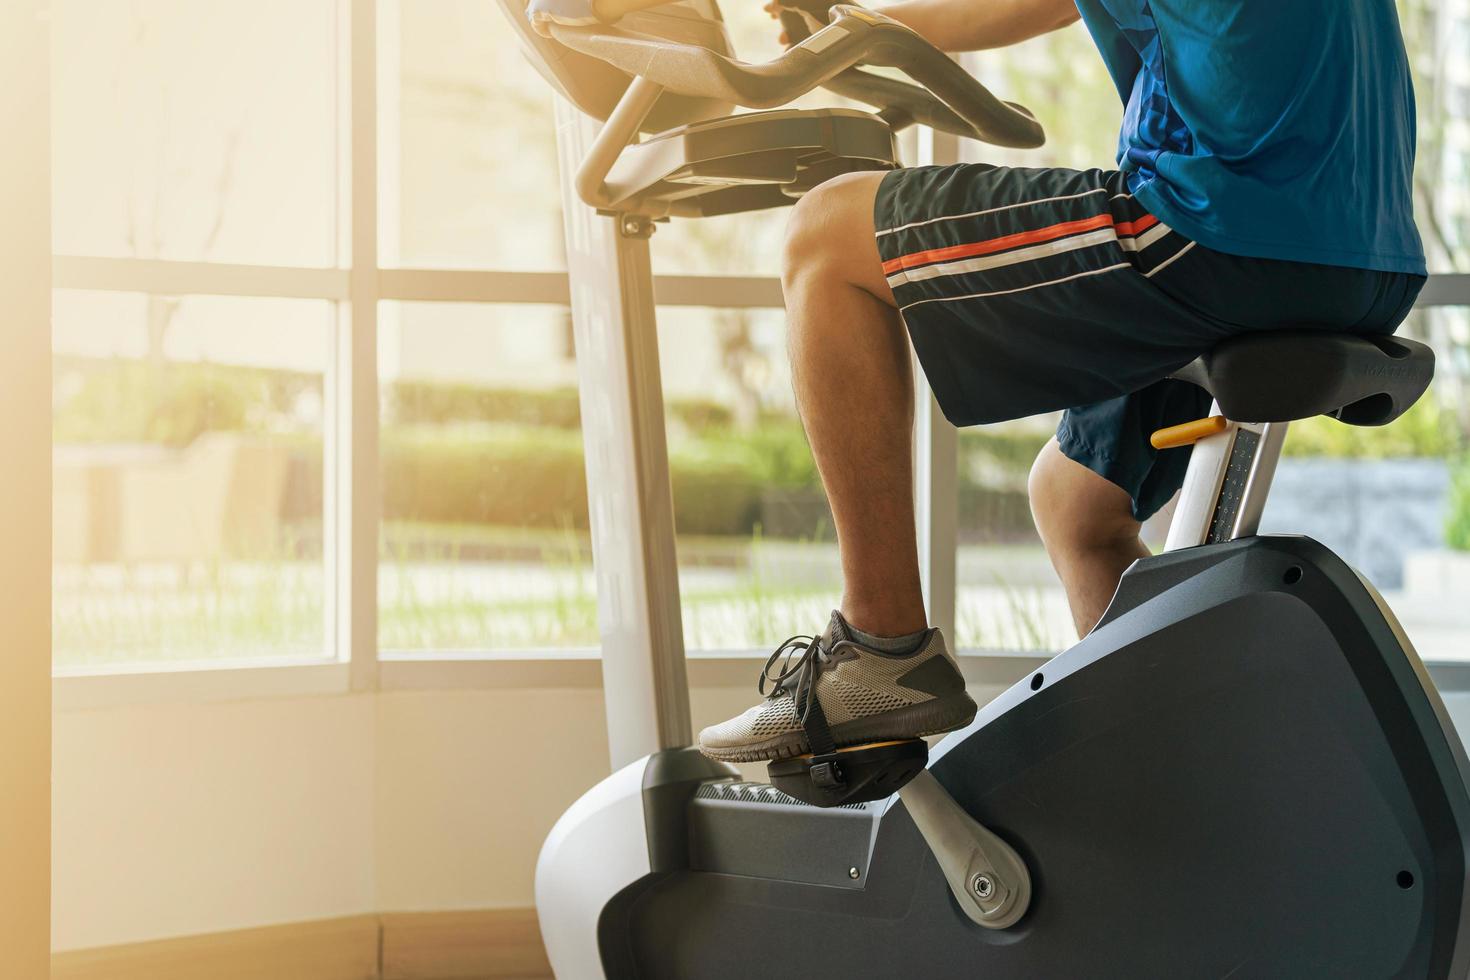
x=352, y=661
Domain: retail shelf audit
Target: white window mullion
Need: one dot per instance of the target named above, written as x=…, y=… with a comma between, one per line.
x=352, y=460
x=936, y=461
x=166, y=277
x=389, y=105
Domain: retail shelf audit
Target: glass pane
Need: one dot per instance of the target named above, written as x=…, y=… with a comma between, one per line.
x=757, y=556
x=1061, y=78
x=468, y=169
x=1437, y=35
x=1006, y=595
x=484, y=541
x=194, y=131
x=731, y=244
x=1394, y=502
x=188, y=478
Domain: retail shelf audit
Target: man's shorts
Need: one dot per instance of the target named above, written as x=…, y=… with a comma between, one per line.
x=1029, y=291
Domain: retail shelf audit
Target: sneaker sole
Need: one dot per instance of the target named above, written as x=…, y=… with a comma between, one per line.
x=934, y=717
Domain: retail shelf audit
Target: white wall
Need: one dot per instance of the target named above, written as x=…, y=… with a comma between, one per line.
x=25, y=461
x=469, y=784
x=179, y=819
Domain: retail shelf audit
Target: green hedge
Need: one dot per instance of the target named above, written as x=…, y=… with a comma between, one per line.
x=1457, y=532
x=534, y=477
x=105, y=400
x=132, y=401
x=519, y=477
x=463, y=454
x=172, y=404
x=1425, y=430
x=437, y=403
x=424, y=403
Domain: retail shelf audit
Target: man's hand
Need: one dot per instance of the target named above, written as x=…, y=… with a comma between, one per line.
x=813, y=12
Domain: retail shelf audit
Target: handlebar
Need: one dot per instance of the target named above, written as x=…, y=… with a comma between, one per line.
x=950, y=99
x=947, y=97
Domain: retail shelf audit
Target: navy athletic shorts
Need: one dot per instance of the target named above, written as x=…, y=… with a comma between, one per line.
x=1029, y=291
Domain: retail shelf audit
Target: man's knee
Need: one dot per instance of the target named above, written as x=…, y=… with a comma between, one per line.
x=830, y=235
x=1075, y=508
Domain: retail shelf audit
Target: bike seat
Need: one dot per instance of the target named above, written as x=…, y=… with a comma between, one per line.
x=1281, y=376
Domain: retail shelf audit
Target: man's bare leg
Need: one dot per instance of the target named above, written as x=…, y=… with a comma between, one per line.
x=854, y=389
x=1087, y=525
x=850, y=368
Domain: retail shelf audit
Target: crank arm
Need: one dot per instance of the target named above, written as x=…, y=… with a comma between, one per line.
x=986, y=875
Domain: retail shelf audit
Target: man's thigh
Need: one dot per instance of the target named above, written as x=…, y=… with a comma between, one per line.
x=1028, y=291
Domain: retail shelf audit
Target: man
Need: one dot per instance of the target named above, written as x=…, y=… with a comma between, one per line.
x=1264, y=182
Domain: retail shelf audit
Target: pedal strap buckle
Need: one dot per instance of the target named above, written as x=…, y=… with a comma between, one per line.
x=826, y=773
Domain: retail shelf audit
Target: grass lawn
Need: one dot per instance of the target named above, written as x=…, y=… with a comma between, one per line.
x=466, y=588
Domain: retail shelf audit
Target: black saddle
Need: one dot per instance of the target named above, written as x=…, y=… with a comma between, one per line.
x=1281, y=376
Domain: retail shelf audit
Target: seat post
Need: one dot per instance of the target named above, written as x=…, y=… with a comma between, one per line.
x=1227, y=483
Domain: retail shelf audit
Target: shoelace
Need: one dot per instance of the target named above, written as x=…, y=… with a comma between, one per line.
x=807, y=668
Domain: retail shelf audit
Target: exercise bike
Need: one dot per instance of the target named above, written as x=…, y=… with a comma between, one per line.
x=1243, y=771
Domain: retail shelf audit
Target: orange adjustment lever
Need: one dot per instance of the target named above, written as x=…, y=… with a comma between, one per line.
x=1188, y=433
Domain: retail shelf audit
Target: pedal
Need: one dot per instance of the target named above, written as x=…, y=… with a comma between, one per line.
x=856, y=774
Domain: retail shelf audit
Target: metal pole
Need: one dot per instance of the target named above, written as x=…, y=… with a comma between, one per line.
x=632, y=512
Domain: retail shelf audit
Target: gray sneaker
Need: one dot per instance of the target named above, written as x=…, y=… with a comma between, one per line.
x=863, y=695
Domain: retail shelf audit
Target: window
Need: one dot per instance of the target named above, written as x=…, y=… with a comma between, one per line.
x=756, y=548
x=195, y=132
x=484, y=519
x=468, y=145
x=216, y=385
x=1062, y=80
x=191, y=415
x=1435, y=32
x=1007, y=597
x=188, y=478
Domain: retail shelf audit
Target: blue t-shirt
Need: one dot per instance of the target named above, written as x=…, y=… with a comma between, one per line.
x=1268, y=129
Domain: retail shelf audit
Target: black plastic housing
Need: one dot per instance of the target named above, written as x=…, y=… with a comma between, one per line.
x=1243, y=772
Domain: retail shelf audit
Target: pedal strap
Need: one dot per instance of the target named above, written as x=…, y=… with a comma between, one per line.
x=825, y=770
